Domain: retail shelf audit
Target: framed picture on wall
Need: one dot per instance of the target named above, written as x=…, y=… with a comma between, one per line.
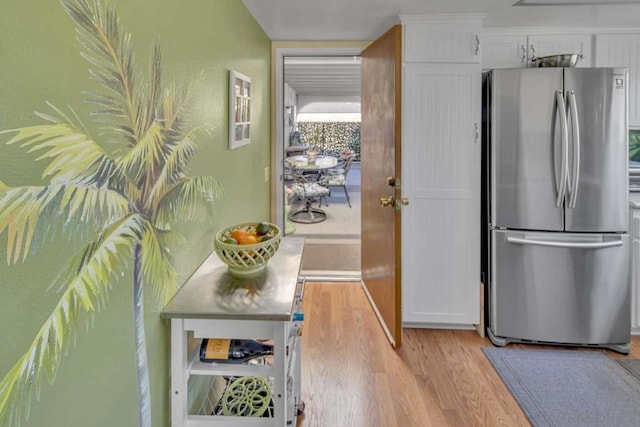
x=239, y=110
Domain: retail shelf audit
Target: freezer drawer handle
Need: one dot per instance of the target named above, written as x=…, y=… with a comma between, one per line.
x=595, y=245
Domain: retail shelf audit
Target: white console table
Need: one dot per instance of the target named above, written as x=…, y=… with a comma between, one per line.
x=214, y=304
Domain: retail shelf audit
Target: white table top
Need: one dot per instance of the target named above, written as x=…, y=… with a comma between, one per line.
x=212, y=293
x=322, y=162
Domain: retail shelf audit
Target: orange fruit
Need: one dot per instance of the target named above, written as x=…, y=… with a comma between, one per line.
x=238, y=234
x=252, y=233
x=248, y=240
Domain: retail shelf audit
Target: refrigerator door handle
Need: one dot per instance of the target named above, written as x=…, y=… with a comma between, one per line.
x=575, y=140
x=561, y=181
x=554, y=244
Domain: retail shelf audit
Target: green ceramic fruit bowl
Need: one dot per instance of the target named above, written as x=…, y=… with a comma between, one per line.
x=247, y=259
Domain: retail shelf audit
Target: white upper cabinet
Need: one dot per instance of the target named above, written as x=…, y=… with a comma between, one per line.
x=513, y=49
x=440, y=38
x=504, y=51
x=623, y=50
x=559, y=44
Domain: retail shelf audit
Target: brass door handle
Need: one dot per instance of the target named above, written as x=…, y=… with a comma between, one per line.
x=387, y=201
x=404, y=201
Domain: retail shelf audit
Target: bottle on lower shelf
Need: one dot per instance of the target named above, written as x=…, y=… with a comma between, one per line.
x=215, y=350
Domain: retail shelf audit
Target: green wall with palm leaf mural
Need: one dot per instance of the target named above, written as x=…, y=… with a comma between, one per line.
x=634, y=147
x=200, y=41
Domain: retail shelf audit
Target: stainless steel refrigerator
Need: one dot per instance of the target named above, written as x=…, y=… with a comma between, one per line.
x=556, y=210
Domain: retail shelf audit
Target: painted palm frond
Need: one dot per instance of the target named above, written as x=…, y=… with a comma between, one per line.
x=176, y=163
x=73, y=156
x=158, y=269
x=109, y=51
x=171, y=107
x=29, y=214
x=155, y=80
x=145, y=161
x=171, y=240
x=88, y=276
x=191, y=199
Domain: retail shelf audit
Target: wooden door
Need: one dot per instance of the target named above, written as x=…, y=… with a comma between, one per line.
x=380, y=168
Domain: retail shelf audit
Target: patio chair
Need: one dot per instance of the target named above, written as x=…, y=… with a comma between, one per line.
x=296, y=144
x=337, y=176
x=308, y=191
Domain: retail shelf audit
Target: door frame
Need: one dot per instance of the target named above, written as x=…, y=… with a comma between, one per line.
x=278, y=51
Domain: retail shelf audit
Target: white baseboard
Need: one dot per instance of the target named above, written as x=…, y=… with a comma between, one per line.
x=416, y=325
x=331, y=276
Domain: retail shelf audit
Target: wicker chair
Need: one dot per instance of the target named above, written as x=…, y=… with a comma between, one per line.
x=337, y=176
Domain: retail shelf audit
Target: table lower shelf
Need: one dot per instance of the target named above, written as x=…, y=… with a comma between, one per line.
x=212, y=405
x=197, y=367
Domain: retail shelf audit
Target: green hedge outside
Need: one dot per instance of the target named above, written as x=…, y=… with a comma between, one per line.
x=332, y=137
x=634, y=145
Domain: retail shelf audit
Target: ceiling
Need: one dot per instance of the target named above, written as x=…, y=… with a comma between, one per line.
x=326, y=76
x=367, y=19
x=362, y=20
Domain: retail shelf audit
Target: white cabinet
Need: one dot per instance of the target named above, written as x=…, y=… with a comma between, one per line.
x=442, y=39
x=213, y=304
x=504, y=51
x=441, y=177
x=441, y=115
x=559, y=44
x=513, y=49
x=623, y=50
x=635, y=263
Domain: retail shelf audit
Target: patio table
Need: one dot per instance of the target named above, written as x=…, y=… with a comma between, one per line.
x=301, y=162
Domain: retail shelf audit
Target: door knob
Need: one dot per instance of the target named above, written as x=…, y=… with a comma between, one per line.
x=387, y=201
x=404, y=201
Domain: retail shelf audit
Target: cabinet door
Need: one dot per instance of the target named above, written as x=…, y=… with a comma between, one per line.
x=504, y=51
x=635, y=268
x=623, y=50
x=635, y=288
x=441, y=178
x=442, y=42
x=559, y=44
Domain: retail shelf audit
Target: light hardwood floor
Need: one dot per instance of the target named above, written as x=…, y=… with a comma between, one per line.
x=351, y=377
